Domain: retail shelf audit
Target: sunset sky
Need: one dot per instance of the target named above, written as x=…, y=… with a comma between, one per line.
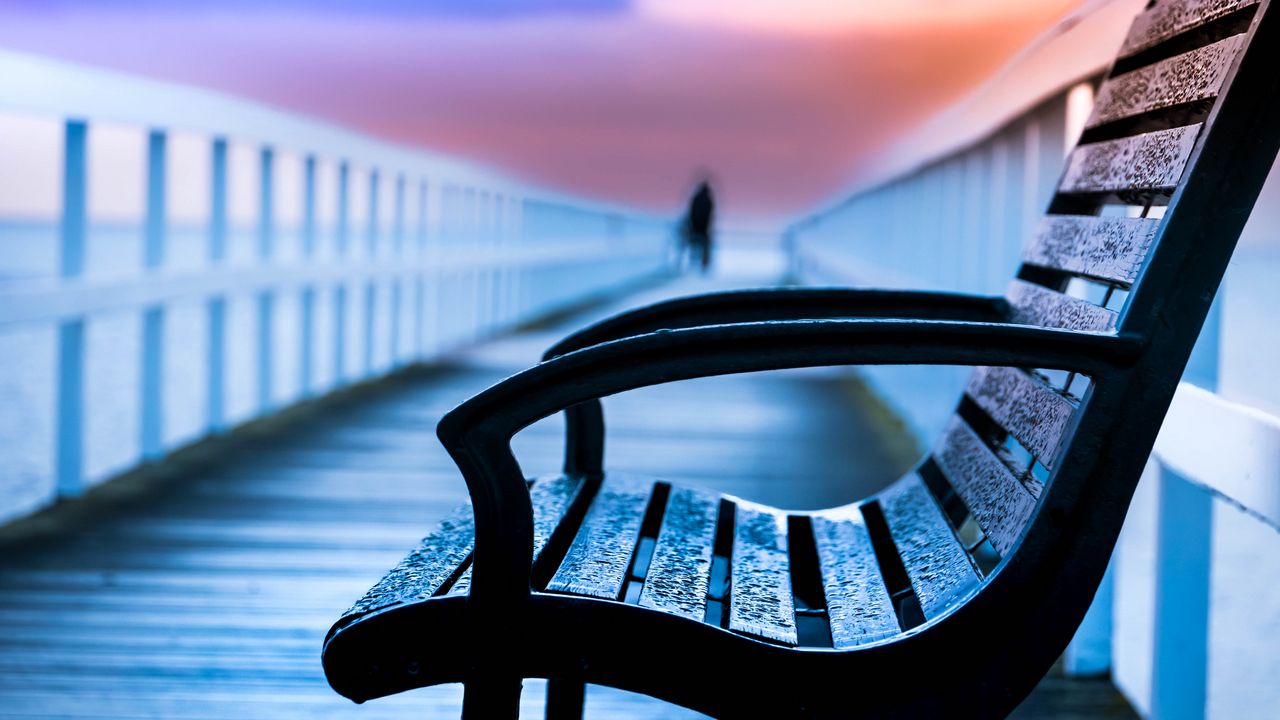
x=620, y=100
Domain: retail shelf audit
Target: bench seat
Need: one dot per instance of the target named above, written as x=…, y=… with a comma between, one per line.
x=788, y=579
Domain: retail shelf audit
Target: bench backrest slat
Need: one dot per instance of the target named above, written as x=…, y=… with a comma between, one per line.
x=1150, y=161
x=1192, y=76
x=998, y=500
x=1165, y=20
x=1034, y=413
x=1103, y=248
x=1037, y=305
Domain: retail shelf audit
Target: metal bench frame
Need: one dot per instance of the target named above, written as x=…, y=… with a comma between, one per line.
x=981, y=657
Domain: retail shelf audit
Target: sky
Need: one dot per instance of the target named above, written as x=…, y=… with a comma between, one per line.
x=620, y=100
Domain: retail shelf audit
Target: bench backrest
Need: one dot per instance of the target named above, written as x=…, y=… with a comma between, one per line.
x=1135, y=241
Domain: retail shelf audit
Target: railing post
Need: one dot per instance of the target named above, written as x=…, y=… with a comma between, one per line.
x=370, y=289
x=306, y=360
x=370, y=299
x=371, y=228
x=152, y=361
x=266, y=309
x=1184, y=546
x=266, y=298
x=398, y=231
x=309, y=228
x=217, y=309
x=1089, y=654
x=152, y=382
x=155, y=233
x=70, y=393
x=344, y=206
x=74, y=197
x=422, y=216
x=339, y=334
x=396, y=291
x=420, y=309
x=1184, y=568
x=307, y=341
x=70, y=462
x=399, y=227
x=419, y=315
x=340, y=291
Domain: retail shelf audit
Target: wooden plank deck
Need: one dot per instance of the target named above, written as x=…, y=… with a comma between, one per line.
x=203, y=588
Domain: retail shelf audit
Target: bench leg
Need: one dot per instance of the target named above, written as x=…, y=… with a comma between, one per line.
x=491, y=697
x=565, y=698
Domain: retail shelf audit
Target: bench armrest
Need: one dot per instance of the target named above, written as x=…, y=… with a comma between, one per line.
x=766, y=304
x=584, y=423
x=477, y=433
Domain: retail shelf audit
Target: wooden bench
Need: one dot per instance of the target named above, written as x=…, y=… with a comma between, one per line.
x=953, y=591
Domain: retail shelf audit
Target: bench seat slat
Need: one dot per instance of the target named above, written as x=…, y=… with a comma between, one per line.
x=1191, y=76
x=422, y=572
x=858, y=604
x=940, y=571
x=1149, y=161
x=999, y=502
x=1107, y=248
x=1037, y=305
x=551, y=497
x=761, y=602
x=1169, y=18
x=597, y=561
x=1025, y=406
x=680, y=570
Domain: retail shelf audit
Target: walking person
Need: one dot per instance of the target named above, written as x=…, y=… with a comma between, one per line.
x=698, y=220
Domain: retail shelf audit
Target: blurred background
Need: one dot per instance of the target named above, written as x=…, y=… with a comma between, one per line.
x=215, y=216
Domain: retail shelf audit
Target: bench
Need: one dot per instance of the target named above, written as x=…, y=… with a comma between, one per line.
x=950, y=593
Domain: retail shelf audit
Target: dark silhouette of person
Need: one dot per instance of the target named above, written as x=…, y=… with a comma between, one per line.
x=702, y=208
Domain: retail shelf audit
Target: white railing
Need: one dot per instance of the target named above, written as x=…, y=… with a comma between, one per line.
x=1189, y=618
x=954, y=222
x=174, y=262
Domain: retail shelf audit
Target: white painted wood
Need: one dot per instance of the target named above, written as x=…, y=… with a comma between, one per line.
x=1230, y=448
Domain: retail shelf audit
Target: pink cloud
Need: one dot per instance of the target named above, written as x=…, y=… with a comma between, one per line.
x=617, y=107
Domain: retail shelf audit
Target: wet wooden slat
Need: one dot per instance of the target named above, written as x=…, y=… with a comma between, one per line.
x=1169, y=18
x=1025, y=406
x=1191, y=76
x=551, y=496
x=597, y=561
x=425, y=570
x=996, y=498
x=1149, y=161
x=681, y=566
x=858, y=605
x=1037, y=305
x=1107, y=248
x=940, y=571
x=761, y=603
